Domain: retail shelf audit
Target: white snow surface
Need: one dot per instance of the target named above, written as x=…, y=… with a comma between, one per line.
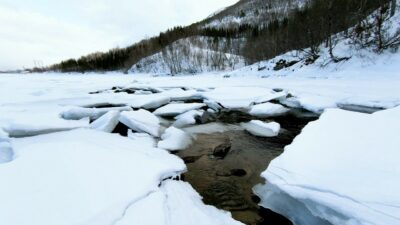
x=262, y=129
x=143, y=138
x=268, y=110
x=175, y=203
x=107, y=122
x=175, y=139
x=187, y=118
x=77, y=113
x=175, y=109
x=342, y=168
x=142, y=121
x=79, y=177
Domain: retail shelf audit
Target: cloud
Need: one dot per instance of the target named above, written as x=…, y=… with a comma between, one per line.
x=50, y=31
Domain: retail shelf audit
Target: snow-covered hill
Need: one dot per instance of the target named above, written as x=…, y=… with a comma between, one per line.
x=192, y=55
x=252, y=12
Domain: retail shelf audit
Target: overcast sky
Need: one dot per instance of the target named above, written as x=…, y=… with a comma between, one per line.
x=48, y=31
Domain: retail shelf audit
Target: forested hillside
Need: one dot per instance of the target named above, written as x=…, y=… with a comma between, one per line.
x=248, y=32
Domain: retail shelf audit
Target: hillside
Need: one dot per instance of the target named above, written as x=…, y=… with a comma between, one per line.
x=245, y=33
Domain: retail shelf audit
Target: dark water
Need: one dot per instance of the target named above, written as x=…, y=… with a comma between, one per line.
x=224, y=167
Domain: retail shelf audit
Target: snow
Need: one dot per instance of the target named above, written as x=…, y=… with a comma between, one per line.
x=143, y=138
x=175, y=203
x=175, y=109
x=6, y=152
x=77, y=113
x=177, y=94
x=142, y=121
x=16, y=129
x=268, y=110
x=175, y=139
x=107, y=122
x=342, y=168
x=236, y=97
x=187, y=118
x=148, y=101
x=262, y=129
x=79, y=177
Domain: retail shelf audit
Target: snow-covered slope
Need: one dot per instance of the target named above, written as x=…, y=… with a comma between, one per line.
x=191, y=55
x=355, y=61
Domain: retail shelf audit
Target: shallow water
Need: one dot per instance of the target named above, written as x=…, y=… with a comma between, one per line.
x=226, y=181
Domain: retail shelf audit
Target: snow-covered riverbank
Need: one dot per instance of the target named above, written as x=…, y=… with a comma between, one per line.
x=59, y=171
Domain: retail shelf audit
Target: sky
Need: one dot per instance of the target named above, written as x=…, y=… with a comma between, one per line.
x=43, y=32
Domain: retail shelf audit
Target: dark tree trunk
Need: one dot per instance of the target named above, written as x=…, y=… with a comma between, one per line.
x=393, y=9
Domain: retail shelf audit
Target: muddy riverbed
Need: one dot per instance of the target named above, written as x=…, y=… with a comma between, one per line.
x=224, y=167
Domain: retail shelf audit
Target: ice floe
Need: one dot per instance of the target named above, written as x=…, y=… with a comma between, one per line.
x=142, y=121
x=107, y=122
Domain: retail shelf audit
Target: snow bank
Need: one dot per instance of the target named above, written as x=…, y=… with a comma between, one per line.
x=175, y=109
x=79, y=177
x=355, y=179
x=262, y=129
x=142, y=121
x=107, y=122
x=268, y=110
x=175, y=139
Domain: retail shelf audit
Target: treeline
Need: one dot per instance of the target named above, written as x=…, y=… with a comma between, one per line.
x=305, y=27
x=123, y=58
x=309, y=27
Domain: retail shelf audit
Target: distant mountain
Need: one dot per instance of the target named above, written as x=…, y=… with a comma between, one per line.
x=244, y=33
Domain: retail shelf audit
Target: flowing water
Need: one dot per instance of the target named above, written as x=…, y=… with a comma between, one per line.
x=224, y=167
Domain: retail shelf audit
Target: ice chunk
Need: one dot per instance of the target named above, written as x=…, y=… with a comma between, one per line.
x=213, y=105
x=187, y=118
x=175, y=139
x=142, y=121
x=149, y=101
x=291, y=102
x=355, y=177
x=107, y=122
x=262, y=129
x=268, y=110
x=77, y=113
x=6, y=152
x=271, y=96
x=79, y=177
x=175, y=109
x=143, y=138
